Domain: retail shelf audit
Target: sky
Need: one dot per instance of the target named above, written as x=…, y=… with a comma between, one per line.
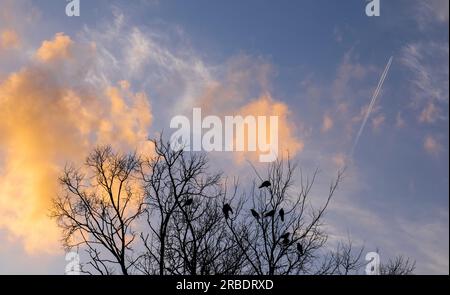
x=121, y=70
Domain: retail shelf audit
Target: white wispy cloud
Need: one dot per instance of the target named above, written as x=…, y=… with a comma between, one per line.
x=431, y=12
x=427, y=66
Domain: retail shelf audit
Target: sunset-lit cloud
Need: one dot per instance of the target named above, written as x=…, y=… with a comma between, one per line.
x=288, y=142
x=9, y=39
x=430, y=114
x=339, y=160
x=400, y=121
x=377, y=122
x=432, y=145
x=50, y=115
x=327, y=123
x=59, y=47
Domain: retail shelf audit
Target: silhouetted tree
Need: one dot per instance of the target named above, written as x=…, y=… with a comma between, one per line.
x=288, y=234
x=167, y=213
x=184, y=216
x=98, y=208
x=400, y=265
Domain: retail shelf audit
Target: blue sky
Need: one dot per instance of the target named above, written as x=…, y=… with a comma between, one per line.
x=321, y=59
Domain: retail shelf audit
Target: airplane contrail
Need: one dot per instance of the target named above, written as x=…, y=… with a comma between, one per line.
x=372, y=103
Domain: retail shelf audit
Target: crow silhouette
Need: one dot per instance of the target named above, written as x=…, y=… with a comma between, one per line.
x=188, y=202
x=255, y=214
x=271, y=213
x=285, y=236
x=300, y=248
x=285, y=242
x=226, y=210
x=265, y=184
x=282, y=214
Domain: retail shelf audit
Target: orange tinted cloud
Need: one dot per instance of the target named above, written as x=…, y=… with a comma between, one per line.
x=340, y=160
x=59, y=47
x=48, y=119
x=432, y=145
x=429, y=114
x=377, y=122
x=265, y=105
x=327, y=123
x=9, y=39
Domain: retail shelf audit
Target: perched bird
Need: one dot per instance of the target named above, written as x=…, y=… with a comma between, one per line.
x=226, y=210
x=300, y=248
x=265, y=184
x=285, y=236
x=255, y=214
x=188, y=202
x=271, y=213
x=282, y=214
x=285, y=242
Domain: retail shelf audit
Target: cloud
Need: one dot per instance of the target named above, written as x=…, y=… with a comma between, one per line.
x=399, y=121
x=229, y=90
x=377, y=122
x=288, y=142
x=138, y=53
x=51, y=113
x=349, y=72
x=430, y=114
x=429, y=239
x=59, y=47
x=432, y=145
x=422, y=239
x=9, y=39
x=157, y=59
x=327, y=123
x=431, y=12
x=338, y=35
x=339, y=160
x=427, y=63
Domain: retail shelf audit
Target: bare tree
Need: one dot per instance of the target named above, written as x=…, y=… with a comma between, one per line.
x=169, y=214
x=400, y=265
x=186, y=226
x=283, y=231
x=98, y=208
x=344, y=260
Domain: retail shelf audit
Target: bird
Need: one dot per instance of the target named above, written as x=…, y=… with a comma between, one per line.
x=282, y=214
x=265, y=184
x=226, y=210
x=271, y=213
x=188, y=202
x=255, y=214
x=285, y=242
x=300, y=248
x=285, y=236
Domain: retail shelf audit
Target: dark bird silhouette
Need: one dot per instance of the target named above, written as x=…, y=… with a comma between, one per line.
x=226, y=210
x=271, y=213
x=255, y=214
x=188, y=202
x=285, y=236
x=300, y=248
x=282, y=214
x=285, y=242
x=265, y=184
